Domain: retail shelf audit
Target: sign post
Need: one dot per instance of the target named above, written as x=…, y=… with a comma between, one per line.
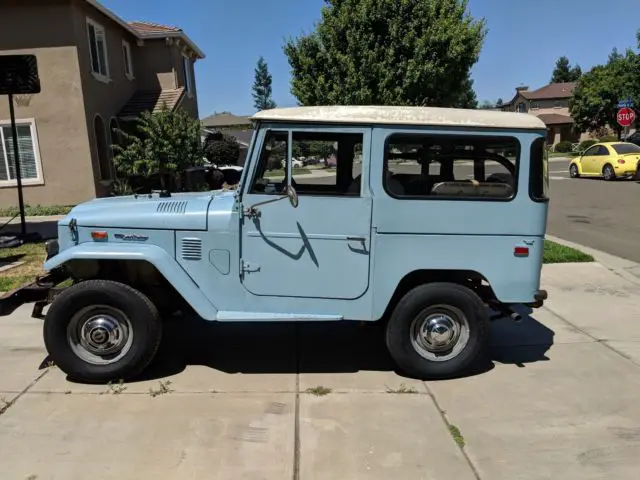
x=18, y=75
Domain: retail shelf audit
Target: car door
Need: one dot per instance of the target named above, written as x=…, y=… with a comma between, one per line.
x=600, y=158
x=321, y=249
x=588, y=159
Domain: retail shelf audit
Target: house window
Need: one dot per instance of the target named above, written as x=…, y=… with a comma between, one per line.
x=557, y=104
x=27, y=149
x=98, y=50
x=126, y=57
x=188, y=77
x=535, y=105
x=522, y=108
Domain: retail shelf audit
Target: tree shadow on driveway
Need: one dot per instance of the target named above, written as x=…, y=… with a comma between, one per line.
x=340, y=347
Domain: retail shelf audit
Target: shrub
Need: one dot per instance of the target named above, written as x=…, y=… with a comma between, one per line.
x=563, y=147
x=609, y=138
x=586, y=144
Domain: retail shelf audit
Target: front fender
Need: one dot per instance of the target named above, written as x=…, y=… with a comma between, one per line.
x=156, y=256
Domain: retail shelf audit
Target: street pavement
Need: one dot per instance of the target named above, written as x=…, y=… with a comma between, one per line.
x=558, y=399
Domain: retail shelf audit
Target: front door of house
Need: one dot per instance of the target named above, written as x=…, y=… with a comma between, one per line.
x=321, y=249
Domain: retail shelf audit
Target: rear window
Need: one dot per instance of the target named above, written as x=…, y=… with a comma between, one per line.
x=539, y=171
x=623, y=148
x=448, y=167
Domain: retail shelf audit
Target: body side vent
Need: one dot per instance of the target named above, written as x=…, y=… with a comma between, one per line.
x=191, y=249
x=171, y=207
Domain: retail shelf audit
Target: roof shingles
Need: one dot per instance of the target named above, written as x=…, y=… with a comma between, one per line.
x=148, y=28
x=152, y=101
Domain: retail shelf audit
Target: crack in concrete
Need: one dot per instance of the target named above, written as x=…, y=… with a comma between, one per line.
x=449, y=425
x=296, y=413
x=600, y=341
x=10, y=404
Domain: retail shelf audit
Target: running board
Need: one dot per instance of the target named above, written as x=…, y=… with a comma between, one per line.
x=231, y=316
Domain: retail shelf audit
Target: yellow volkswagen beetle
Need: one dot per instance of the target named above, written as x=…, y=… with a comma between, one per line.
x=610, y=160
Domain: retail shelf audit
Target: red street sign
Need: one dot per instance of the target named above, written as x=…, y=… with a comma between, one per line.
x=626, y=116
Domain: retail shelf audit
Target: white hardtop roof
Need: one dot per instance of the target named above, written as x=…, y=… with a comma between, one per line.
x=457, y=117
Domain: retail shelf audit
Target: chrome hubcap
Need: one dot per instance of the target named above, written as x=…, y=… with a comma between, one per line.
x=440, y=333
x=100, y=334
x=103, y=334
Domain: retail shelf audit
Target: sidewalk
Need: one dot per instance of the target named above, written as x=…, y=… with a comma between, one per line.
x=559, y=398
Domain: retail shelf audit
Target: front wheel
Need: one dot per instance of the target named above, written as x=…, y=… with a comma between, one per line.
x=573, y=171
x=437, y=330
x=98, y=331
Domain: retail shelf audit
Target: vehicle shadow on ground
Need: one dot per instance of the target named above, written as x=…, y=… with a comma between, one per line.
x=341, y=347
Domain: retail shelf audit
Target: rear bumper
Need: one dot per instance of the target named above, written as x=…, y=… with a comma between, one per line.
x=539, y=297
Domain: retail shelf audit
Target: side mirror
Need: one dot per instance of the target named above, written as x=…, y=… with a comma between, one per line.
x=293, y=196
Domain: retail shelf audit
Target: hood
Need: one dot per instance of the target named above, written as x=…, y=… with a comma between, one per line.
x=180, y=211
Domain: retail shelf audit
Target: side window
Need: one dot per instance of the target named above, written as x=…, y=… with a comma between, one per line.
x=591, y=151
x=324, y=163
x=602, y=150
x=539, y=171
x=451, y=167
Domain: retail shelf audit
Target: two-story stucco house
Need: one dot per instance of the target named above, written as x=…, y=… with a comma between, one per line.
x=551, y=104
x=96, y=72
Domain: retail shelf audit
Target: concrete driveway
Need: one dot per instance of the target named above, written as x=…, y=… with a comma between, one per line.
x=559, y=398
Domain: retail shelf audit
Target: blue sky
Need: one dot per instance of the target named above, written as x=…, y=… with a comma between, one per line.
x=522, y=46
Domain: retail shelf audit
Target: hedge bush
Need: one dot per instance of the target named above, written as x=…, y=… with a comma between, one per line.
x=610, y=138
x=563, y=147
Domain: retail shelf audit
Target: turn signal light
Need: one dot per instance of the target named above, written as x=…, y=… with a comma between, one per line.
x=99, y=235
x=621, y=160
x=521, y=251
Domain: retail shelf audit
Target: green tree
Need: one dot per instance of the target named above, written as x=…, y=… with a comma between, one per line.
x=487, y=105
x=500, y=102
x=167, y=141
x=594, y=102
x=221, y=149
x=467, y=98
x=564, y=72
x=387, y=52
x=262, y=87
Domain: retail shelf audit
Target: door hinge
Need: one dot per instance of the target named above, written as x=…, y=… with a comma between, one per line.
x=249, y=268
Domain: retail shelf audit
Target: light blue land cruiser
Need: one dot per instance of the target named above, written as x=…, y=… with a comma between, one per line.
x=430, y=218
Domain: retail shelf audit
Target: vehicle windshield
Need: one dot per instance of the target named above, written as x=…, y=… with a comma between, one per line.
x=623, y=148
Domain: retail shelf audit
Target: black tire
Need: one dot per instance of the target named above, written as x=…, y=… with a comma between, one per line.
x=573, y=171
x=80, y=305
x=432, y=300
x=608, y=172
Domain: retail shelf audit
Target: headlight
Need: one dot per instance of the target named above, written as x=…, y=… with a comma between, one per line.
x=52, y=248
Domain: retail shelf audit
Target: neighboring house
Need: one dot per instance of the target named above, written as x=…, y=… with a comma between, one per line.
x=97, y=73
x=551, y=104
x=239, y=127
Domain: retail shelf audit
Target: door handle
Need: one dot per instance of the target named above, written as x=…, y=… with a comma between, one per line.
x=356, y=239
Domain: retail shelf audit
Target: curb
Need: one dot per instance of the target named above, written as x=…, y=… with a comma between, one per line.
x=627, y=269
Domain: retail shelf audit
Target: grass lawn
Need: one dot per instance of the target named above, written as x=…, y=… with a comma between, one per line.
x=280, y=173
x=32, y=254
x=556, y=253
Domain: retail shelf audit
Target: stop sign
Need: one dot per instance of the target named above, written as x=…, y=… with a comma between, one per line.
x=626, y=116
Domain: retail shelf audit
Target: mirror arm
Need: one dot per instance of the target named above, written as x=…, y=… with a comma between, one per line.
x=252, y=211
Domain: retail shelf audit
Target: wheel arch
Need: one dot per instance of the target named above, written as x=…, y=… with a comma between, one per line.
x=90, y=260
x=471, y=279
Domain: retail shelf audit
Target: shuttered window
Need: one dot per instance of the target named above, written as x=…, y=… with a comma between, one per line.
x=29, y=167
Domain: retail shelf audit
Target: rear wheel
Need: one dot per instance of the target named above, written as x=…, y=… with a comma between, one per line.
x=97, y=331
x=573, y=171
x=437, y=330
x=608, y=173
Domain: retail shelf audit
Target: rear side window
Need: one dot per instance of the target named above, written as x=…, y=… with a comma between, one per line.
x=539, y=171
x=624, y=148
x=451, y=167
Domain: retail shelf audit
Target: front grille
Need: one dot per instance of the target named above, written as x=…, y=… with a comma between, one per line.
x=191, y=249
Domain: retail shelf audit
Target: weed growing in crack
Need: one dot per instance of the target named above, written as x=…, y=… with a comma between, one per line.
x=319, y=391
x=162, y=389
x=115, y=389
x=402, y=389
x=457, y=436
